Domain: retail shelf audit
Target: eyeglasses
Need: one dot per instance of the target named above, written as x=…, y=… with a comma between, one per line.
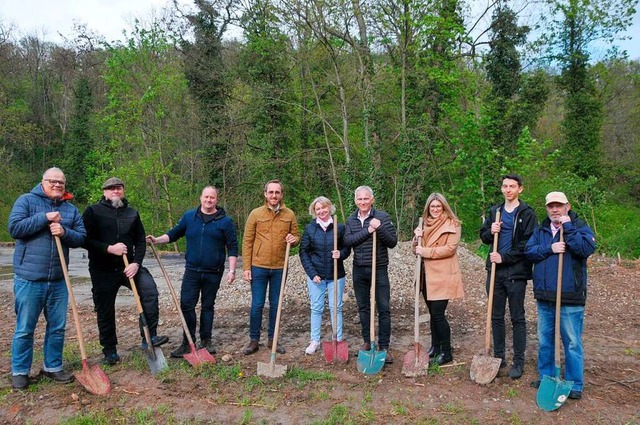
x=55, y=182
x=435, y=207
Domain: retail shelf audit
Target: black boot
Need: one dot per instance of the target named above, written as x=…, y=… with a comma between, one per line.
x=434, y=350
x=444, y=356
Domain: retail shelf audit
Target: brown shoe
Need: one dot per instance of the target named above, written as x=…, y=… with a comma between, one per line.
x=279, y=348
x=251, y=348
x=366, y=346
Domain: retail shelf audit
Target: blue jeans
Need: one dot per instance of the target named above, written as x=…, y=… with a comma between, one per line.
x=31, y=299
x=362, y=288
x=571, y=321
x=261, y=278
x=193, y=284
x=317, y=293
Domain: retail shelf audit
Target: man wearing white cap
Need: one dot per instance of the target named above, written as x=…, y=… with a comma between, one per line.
x=543, y=249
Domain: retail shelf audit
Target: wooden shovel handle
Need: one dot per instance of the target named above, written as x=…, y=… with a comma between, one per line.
x=72, y=299
x=492, y=281
x=556, y=354
x=136, y=295
x=372, y=301
x=276, y=332
x=335, y=279
x=416, y=302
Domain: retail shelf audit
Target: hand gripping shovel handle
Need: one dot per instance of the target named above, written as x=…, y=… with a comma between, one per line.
x=492, y=281
x=556, y=355
x=143, y=319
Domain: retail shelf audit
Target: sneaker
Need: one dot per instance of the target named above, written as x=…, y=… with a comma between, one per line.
x=575, y=395
x=251, y=348
x=179, y=352
x=279, y=348
x=516, y=371
x=535, y=384
x=61, y=376
x=110, y=359
x=313, y=346
x=207, y=344
x=156, y=341
x=20, y=382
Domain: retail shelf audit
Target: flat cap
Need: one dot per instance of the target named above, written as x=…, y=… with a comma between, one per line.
x=556, y=197
x=111, y=182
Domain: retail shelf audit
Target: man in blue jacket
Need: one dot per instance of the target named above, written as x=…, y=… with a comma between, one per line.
x=36, y=218
x=211, y=236
x=543, y=249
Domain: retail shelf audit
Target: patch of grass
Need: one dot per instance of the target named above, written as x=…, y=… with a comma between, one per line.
x=253, y=383
x=398, y=409
x=323, y=395
x=303, y=375
x=515, y=419
x=452, y=408
x=512, y=393
x=435, y=369
x=137, y=361
x=247, y=417
x=147, y=416
x=367, y=414
x=429, y=420
x=632, y=352
x=338, y=415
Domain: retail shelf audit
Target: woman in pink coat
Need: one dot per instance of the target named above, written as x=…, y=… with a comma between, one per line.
x=439, y=249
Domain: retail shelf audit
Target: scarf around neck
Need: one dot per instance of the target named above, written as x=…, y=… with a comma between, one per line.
x=432, y=226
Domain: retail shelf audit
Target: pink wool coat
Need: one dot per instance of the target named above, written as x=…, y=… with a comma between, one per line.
x=441, y=265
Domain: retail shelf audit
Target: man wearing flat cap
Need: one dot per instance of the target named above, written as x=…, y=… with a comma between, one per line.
x=114, y=230
x=543, y=249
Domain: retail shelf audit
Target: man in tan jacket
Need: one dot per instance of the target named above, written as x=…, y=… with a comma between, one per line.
x=268, y=230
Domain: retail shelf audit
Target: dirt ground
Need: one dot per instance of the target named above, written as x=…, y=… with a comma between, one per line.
x=312, y=392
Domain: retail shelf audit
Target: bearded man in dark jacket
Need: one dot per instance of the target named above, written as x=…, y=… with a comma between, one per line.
x=114, y=229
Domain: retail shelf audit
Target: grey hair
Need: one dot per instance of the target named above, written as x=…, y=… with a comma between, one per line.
x=52, y=169
x=359, y=188
x=324, y=201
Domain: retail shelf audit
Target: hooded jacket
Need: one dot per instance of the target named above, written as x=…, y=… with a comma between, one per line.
x=107, y=225
x=36, y=255
x=315, y=251
x=580, y=244
x=208, y=241
x=357, y=236
x=515, y=265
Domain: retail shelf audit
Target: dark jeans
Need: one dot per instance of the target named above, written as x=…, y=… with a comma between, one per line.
x=261, y=279
x=513, y=291
x=105, y=286
x=440, y=329
x=362, y=289
x=203, y=286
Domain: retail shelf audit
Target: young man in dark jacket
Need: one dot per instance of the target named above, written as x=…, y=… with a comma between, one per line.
x=358, y=235
x=211, y=236
x=114, y=229
x=36, y=219
x=543, y=249
x=517, y=223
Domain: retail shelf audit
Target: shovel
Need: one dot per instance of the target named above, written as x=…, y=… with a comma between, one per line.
x=553, y=391
x=416, y=361
x=334, y=349
x=271, y=369
x=195, y=357
x=155, y=358
x=371, y=362
x=484, y=368
x=92, y=378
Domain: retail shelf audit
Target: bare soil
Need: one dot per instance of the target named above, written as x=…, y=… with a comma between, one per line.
x=313, y=392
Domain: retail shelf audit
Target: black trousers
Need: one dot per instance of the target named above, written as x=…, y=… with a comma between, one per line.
x=105, y=286
x=362, y=289
x=440, y=329
x=513, y=292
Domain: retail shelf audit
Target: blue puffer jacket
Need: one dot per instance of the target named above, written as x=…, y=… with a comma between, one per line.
x=36, y=255
x=315, y=251
x=580, y=244
x=208, y=244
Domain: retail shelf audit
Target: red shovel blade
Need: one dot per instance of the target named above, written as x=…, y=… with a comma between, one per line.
x=93, y=379
x=196, y=357
x=335, y=351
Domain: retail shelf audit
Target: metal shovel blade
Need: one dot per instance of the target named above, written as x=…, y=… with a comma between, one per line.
x=415, y=362
x=156, y=360
x=335, y=351
x=271, y=369
x=196, y=357
x=484, y=368
x=552, y=393
x=93, y=379
x=372, y=361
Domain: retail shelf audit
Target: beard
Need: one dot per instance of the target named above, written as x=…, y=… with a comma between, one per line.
x=116, y=202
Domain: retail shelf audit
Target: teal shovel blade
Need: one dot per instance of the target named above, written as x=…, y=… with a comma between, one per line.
x=371, y=362
x=553, y=392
